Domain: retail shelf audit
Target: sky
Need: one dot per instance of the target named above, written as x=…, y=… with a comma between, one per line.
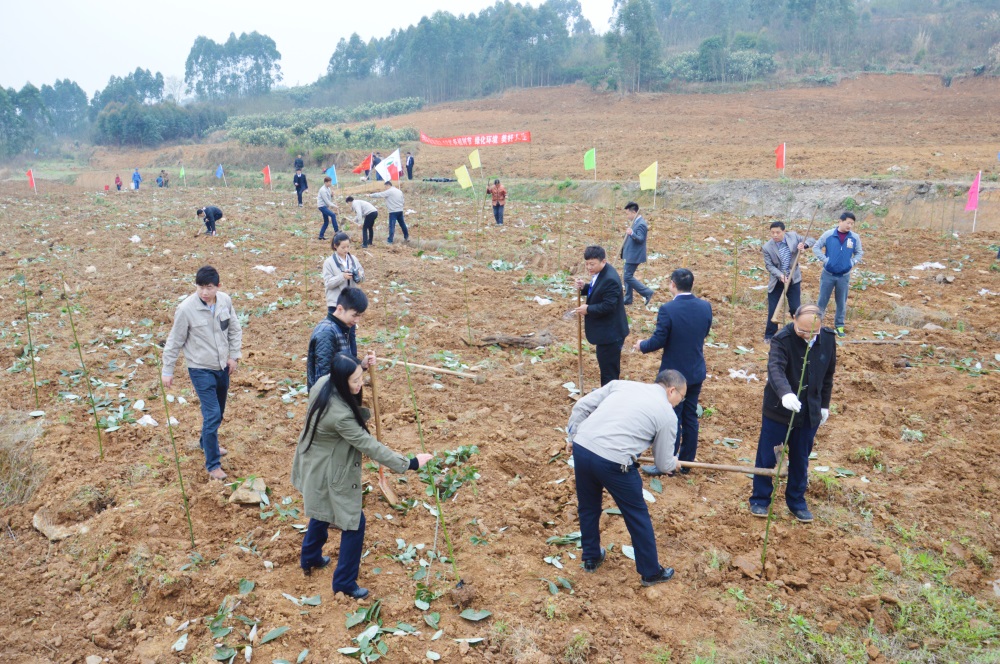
x=89, y=42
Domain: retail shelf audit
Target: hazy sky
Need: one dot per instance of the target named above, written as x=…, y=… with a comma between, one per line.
x=89, y=42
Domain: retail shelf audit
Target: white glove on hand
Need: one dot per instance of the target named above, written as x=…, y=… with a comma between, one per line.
x=823, y=414
x=791, y=402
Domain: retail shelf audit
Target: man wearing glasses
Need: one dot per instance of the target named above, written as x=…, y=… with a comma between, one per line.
x=785, y=407
x=681, y=327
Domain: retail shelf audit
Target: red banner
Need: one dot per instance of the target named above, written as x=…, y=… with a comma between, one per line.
x=478, y=140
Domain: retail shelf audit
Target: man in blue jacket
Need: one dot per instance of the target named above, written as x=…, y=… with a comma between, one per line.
x=634, y=254
x=842, y=248
x=604, y=318
x=681, y=327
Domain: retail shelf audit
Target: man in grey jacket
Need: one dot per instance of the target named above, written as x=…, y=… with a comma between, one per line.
x=607, y=431
x=634, y=254
x=780, y=253
x=394, y=203
x=207, y=329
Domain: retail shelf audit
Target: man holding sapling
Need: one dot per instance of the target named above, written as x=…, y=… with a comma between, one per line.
x=207, y=329
x=784, y=407
x=780, y=253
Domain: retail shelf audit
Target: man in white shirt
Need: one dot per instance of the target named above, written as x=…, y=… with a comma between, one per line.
x=365, y=214
x=394, y=203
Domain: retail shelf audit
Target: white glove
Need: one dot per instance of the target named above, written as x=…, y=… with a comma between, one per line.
x=823, y=414
x=791, y=402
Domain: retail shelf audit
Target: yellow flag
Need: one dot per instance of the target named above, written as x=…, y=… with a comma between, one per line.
x=647, y=179
x=462, y=174
x=474, y=159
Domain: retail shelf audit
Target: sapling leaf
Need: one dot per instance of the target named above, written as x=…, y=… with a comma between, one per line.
x=433, y=656
x=475, y=615
x=273, y=634
x=181, y=643
x=246, y=586
x=656, y=485
x=302, y=656
x=421, y=604
x=437, y=635
x=432, y=619
x=224, y=653
x=315, y=600
x=356, y=618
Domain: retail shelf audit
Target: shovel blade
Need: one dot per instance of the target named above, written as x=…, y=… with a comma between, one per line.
x=386, y=488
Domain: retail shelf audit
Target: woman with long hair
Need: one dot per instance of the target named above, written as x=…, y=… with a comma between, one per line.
x=327, y=471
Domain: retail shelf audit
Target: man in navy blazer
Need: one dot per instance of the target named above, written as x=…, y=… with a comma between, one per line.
x=681, y=327
x=604, y=319
x=634, y=254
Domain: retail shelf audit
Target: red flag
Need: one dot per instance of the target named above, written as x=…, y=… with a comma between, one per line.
x=973, y=202
x=267, y=174
x=393, y=172
x=779, y=152
x=366, y=165
x=31, y=179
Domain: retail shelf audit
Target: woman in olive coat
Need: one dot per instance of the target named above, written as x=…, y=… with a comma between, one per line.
x=327, y=471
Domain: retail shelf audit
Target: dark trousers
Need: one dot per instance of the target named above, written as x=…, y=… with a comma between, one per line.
x=393, y=218
x=609, y=360
x=209, y=225
x=498, y=214
x=368, y=229
x=211, y=386
x=409, y=172
x=345, y=576
x=298, y=192
x=328, y=219
x=631, y=283
x=794, y=298
x=594, y=474
x=687, y=424
x=800, y=445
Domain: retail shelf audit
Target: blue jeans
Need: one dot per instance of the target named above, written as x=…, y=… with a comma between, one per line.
x=498, y=214
x=594, y=474
x=831, y=283
x=794, y=298
x=686, y=447
x=631, y=283
x=345, y=576
x=800, y=445
x=211, y=386
x=393, y=218
x=328, y=218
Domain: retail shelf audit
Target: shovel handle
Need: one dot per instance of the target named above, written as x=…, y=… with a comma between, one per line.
x=729, y=469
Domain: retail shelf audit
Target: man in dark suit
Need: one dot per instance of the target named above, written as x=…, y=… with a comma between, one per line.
x=604, y=318
x=409, y=165
x=681, y=327
x=634, y=254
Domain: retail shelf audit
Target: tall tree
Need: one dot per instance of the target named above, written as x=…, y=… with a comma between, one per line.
x=244, y=66
x=635, y=43
x=67, y=106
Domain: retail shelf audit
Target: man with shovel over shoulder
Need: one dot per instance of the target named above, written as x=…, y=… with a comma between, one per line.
x=607, y=431
x=781, y=258
x=786, y=408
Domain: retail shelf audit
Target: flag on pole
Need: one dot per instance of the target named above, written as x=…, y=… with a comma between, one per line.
x=973, y=202
x=366, y=165
x=332, y=173
x=267, y=174
x=462, y=174
x=219, y=173
x=390, y=167
x=647, y=179
x=590, y=159
x=779, y=153
x=31, y=179
x=474, y=159
x=182, y=172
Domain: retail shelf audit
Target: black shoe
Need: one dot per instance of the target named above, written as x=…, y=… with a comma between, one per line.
x=321, y=238
x=758, y=510
x=357, y=593
x=666, y=573
x=324, y=561
x=627, y=303
x=592, y=565
x=803, y=515
x=647, y=300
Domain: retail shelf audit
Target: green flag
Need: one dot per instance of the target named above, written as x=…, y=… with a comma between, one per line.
x=590, y=159
x=182, y=171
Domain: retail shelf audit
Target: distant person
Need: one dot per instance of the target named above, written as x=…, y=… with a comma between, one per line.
x=843, y=252
x=604, y=319
x=164, y=179
x=337, y=333
x=207, y=329
x=365, y=214
x=159, y=181
x=409, y=165
x=210, y=215
x=118, y=182
x=499, y=194
x=299, y=164
x=324, y=201
x=779, y=253
x=634, y=254
x=136, y=180
x=300, y=183
x=394, y=204
x=376, y=160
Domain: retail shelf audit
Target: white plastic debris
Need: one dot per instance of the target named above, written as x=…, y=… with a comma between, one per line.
x=139, y=405
x=135, y=239
x=146, y=421
x=571, y=386
x=269, y=269
x=928, y=266
x=743, y=375
x=229, y=245
x=542, y=300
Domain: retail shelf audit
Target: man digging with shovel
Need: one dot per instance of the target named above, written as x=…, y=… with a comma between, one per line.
x=783, y=409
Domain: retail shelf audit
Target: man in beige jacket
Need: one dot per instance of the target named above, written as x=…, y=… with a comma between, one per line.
x=207, y=329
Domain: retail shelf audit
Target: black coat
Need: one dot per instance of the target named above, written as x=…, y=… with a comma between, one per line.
x=300, y=182
x=605, y=322
x=784, y=369
x=681, y=327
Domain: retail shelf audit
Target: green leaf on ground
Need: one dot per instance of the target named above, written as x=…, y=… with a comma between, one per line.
x=474, y=615
x=246, y=587
x=273, y=634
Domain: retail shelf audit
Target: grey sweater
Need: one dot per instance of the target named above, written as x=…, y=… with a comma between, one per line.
x=393, y=199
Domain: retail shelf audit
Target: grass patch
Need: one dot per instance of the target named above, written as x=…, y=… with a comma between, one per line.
x=20, y=475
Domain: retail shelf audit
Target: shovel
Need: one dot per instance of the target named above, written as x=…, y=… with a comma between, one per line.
x=383, y=483
x=770, y=472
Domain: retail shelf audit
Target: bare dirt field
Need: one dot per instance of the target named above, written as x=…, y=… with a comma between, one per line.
x=898, y=566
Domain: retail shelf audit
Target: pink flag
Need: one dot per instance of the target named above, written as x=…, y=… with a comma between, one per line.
x=973, y=202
